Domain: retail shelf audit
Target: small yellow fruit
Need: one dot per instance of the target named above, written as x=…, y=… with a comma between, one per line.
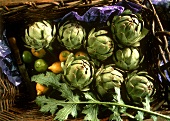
x=41, y=89
x=63, y=55
x=56, y=67
x=39, y=54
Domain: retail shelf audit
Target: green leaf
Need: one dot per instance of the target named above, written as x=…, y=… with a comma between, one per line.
x=154, y=117
x=139, y=116
x=116, y=115
x=68, y=109
x=91, y=97
x=91, y=112
x=47, y=104
x=48, y=79
x=67, y=93
x=146, y=104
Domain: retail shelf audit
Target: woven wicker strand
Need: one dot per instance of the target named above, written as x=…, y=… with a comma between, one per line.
x=9, y=92
x=30, y=11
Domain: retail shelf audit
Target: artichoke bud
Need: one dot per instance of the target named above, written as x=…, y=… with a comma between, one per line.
x=99, y=45
x=139, y=85
x=39, y=35
x=107, y=78
x=78, y=73
x=128, y=29
x=71, y=35
x=128, y=58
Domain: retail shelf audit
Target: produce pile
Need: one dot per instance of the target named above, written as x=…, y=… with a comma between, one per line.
x=88, y=71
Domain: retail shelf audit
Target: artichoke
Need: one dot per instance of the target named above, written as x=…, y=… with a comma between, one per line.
x=99, y=45
x=78, y=73
x=139, y=85
x=39, y=35
x=128, y=29
x=71, y=35
x=107, y=78
x=127, y=58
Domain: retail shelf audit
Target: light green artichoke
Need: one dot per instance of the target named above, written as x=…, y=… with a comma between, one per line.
x=71, y=35
x=107, y=78
x=139, y=85
x=99, y=45
x=78, y=73
x=128, y=29
x=127, y=58
x=39, y=35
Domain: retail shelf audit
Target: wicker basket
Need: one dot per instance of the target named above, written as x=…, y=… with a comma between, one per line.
x=15, y=12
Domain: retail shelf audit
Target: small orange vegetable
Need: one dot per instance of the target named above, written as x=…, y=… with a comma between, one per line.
x=63, y=55
x=56, y=67
x=40, y=54
x=80, y=53
x=41, y=89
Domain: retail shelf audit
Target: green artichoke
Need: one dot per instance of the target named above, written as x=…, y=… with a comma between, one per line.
x=128, y=29
x=78, y=73
x=99, y=45
x=107, y=78
x=39, y=35
x=71, y=35
x=127, y=58
x=139, y=85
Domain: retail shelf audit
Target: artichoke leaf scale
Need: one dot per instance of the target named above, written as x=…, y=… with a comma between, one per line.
x=100, y=32
x=108, y=85
x=91, y=51
x=60, y=31
x=135, y=54
x=122, y=19
x=71, y=79
x=121, y=38
x=106, y=77
x=46, y=33
x=127, y=52
x=91, y=41
x=102, y=49
x=117, y=73
x=67, y=25
x=84, y=81
x=108, y=70
x=74, y=32
x=36, y=32
x=119, y=55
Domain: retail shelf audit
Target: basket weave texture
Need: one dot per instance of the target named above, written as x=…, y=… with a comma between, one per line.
x=15, y=12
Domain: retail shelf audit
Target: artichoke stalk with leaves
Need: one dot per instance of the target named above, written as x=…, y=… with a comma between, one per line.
x=108, y=79
x=139, y=85
x=71, y=35
x=128, y=29
x=99, y=45
x=78, y=73
x=128, y=58
x=39, y=35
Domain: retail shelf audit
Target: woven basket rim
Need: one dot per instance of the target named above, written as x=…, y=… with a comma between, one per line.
x=11, y=9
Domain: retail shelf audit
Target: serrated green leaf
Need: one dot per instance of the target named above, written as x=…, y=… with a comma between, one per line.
x=47, y=104
x=154, y=117
x=68, y=109
x=67, y=93
x=146, y=104
x=48, y=79
x=91, y=112
x=90, y=96
x=117, y=96
x=139, y=116
x=116, y=115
